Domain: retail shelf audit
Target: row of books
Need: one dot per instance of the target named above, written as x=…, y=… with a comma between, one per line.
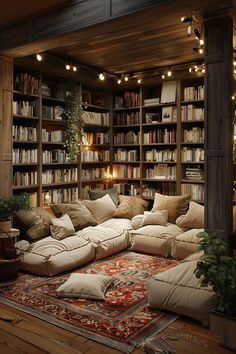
x=151, y=101
x=190, y=113
x=52, y=112
x=192, y=154
x=166, y=188
x=55, y=136
x=127, y=118
x=127, y=189
x=193, y=135
x=124, y=171
x=126, y=155
x=95, y=118
x=95, y=173
x=24, y=155
x=96, y=138
x=194, y=173
x=95, y=156
x=55, y=155
x=25, y=178
x=194, y=93
x=167, y=136
x=22, y=133
x=26, y=83
x=32, y=199
x=195, y=190
x=161, y=155
x=129, y=99
x=87, y=187
x=161, y=171
x=24, y=108
x=59, y=175
x=129, y=137
x=62, y=195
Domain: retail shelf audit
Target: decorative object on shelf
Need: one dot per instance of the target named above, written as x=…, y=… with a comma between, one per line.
x=8, y=206
x=219, y=270
x=73, y=117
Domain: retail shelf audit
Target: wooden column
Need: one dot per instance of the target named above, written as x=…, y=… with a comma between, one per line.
x=218, y=125
x=6, y=89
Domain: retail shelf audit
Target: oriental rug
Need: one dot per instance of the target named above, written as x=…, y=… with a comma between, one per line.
x=122, y=321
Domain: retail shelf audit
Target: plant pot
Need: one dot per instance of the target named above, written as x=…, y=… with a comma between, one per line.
x=224, y=327
x=5, y=226
x=9, y=268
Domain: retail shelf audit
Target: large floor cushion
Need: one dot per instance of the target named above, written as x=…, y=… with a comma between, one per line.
x=178, y=290
x=154, y=239
x=106, y=240
x=185, y=244
x=50, y=256
x=117, y=224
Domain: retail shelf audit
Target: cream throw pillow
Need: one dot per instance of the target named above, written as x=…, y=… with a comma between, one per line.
x=159, y=217
x=86, y=286
x=62, y=227
x=101, y=209
x=193, y=219
x=175, y=206
x=130, y=206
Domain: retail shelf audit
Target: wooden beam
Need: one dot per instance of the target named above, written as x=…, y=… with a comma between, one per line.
x=6, y=88
x=218, y=126
x=69, y=17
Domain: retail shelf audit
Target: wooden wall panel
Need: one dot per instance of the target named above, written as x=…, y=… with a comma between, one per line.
x=218, y=126
x=6, y=89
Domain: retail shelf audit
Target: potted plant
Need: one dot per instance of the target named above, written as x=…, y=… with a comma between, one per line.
x=217, y=269
x=7, y=208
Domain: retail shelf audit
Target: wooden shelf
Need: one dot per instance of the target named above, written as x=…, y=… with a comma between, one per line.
x=160, y=162
x=25, y=142
x=19, y=116
x=25, y=95
x=34, y=186
x=159, y=180
x=125, y=162
x=47, y=185
x=191, y=181
x=53, y=99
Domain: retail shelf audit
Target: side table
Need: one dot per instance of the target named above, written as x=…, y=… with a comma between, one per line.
x=9, y=263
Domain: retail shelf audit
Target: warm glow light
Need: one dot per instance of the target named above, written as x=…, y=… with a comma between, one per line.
x=201, y=41
x=67, y=66
x=234, y=71
x=139, y=81
x=101, y=77
x=203, y=70
x=74, y=68
x=39, y=57
x=126, y=78
x=182, y=19
x=200, y=50
x=118, y=81
x=169, y=73
x=163, y=76
x=190, y=70
x=234, y=62
x=233, y=98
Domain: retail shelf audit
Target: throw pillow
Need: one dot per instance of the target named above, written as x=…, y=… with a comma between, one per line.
x=77, y=211
x=136, y=221
x=193, y=219
x=159, y=217
x=34, y=223
x=62, y=227
x=86, y=286
x=129, y=207
x=99, y=193
x=101, y=209
x=175, y=205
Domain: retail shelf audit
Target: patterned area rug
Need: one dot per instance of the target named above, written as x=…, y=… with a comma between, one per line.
x=123, y=321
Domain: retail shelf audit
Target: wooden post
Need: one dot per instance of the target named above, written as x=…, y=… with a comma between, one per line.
x=218, y=125
x=6, y=89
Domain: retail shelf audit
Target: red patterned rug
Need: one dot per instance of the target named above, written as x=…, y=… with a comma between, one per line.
x=123, y=321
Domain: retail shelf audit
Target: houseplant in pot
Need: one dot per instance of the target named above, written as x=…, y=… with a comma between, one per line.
x=7, y=208
x=217, y=269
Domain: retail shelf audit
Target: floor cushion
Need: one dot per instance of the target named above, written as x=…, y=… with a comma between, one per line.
x=154, y=239
x=106, y=241
x=50, y=256
x=185, y=244
x=178, y=290
x=193, y=219
x=117, y=224
x=101, y=209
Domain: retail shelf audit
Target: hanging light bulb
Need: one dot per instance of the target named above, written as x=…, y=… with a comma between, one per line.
x=203, y=70
x=126, y=78
x=169, y=72
x=39, y=57
x=200, y=50
x=74, y=68
x=189, y=30
x=67, y=66
x=201, y=41
x=119, y=81
x=233, y=98
x=101, y=77
x=163, y=76
x=139, y=81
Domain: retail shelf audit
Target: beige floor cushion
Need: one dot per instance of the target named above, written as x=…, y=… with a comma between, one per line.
x=101, y=209
x=117, y=224
x=185, y=244
x=178, y=290
x=50, y=256
x=193, y=219
x=154, y=239
x=106, y=241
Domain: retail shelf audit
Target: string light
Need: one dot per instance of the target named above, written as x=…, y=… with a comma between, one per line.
x=126, y=78
x=39, y=57
x=163, y=76
x=119, y=81
x=139, y=81
x=74, y=68
x=101, y=77
x=169, y=72
x=67, y=66
x=197, y=68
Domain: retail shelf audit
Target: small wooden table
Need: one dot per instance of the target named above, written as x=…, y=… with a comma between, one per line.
x=7, y=241
x=9, y=262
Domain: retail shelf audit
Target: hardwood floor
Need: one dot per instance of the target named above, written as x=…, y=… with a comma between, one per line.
x=30, y=335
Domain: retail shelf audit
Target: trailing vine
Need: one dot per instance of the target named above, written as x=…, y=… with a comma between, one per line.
x=73, y=118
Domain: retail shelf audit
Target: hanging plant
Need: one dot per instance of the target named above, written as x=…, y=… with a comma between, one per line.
x=73, y=118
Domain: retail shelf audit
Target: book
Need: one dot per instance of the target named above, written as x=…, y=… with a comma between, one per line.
x=168, y=92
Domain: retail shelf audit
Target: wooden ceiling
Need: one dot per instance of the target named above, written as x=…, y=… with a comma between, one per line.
x=151, y=38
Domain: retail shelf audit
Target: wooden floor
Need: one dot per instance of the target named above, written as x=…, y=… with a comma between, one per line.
x=30, y=335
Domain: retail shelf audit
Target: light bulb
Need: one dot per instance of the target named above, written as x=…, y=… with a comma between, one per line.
x=234, y=71
x=169, y=73
x=101, y=77
x=234, y=62
x=190, y=70
x=67, y=66
x=74, y=68
x=118, y=81
x=196, y=69
x=163, y=76
x=233, y=98
x=203, y=70
x=182, y=19
x=139, y=81
x=189, y=30
x=200, y=50
x=201, y=41
x=126, y=78
x=39, y=57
